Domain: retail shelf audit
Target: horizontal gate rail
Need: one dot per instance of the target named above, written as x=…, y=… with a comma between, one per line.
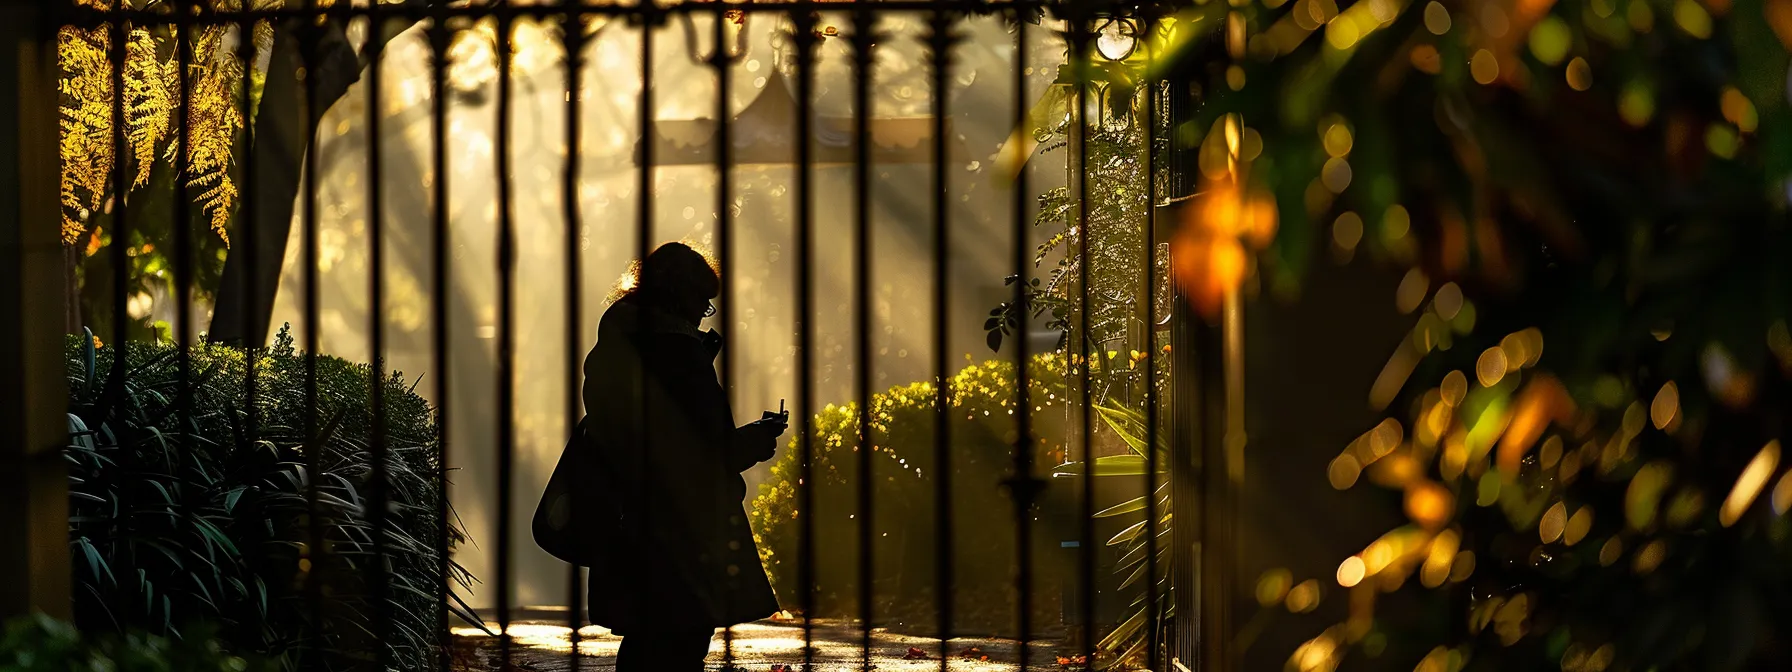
x=83, y=16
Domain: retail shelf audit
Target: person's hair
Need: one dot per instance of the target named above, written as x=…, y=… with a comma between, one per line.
x=675, y=269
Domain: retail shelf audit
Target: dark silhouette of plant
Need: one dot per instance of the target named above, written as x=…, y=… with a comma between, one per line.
x=188, y=505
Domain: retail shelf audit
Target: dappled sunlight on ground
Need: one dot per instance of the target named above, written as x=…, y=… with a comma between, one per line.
x=547, y=647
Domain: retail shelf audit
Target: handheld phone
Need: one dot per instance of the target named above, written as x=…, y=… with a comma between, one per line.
x=781, y=416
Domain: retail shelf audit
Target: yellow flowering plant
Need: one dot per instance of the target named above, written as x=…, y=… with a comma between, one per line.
x=904, y=479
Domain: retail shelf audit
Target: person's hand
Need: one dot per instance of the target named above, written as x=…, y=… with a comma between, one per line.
x=759, y=439
x=768, y=428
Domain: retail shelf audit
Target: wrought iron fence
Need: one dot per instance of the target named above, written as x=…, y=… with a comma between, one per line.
x=244, y=310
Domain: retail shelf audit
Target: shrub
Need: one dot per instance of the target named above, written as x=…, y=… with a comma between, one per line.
x=200, y=516
x=904, y=526
x=43, y=644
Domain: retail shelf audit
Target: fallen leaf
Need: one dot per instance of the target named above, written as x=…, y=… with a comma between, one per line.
x=914, y=654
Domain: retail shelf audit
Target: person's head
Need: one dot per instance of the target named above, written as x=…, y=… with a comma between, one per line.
x=678, y=280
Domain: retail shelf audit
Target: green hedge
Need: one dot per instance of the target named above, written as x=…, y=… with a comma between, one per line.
x=199, y=518
x=904, y=522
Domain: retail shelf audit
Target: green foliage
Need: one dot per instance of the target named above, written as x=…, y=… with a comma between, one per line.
x=188, y=503
x=903, y=523
x=1115, y=171
x=149, y=249
x=1126, y=643
x=39, y=643
x=1117, y=248
x=1114, y=255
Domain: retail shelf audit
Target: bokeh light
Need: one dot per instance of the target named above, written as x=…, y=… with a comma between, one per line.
x=1749, y=484
x=1351, y=572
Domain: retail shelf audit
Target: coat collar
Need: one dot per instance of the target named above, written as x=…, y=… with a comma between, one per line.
x=632, y=316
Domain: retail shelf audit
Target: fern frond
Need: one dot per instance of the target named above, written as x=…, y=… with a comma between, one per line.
x=149, y=100
x=152, y=104
x=215, y=120
x=219, y=202
x=85, y=146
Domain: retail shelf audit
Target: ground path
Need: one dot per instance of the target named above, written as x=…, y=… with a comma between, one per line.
x=757, y=647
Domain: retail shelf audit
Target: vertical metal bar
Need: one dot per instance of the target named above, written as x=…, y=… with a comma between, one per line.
x=1153, y=652
x=573, y=35
x=649, y=140
x=722, y=61
x=863, y=39
x=506, y=342
x=1023, y=486
x=1185, y=479
x=1207, y=417
x=1226, y=434
x=1088, y=354
x=1186, y=395
x=309, y=34
x=644, y=240
x=804, y=19
x=118, y=36
x=439, y=37
x=183, y=222
x=376, y=336
x=246, y=229
x=941, y=39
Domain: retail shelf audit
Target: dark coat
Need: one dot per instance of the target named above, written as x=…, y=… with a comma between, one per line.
x=684, y=557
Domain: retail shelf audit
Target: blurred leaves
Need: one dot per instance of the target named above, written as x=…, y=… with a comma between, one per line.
x=38, y=643
x=1611, y=174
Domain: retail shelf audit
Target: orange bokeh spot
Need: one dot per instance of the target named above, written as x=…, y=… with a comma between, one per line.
x=1430, y=504
x=1208, y=255
x=1779, y=18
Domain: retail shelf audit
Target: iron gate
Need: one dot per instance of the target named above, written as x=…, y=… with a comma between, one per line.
x=244, y=309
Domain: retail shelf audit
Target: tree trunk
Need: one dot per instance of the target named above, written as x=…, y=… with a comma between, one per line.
x=282, y=131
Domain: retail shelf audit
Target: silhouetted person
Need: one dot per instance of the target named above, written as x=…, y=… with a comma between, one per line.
x=684, y=562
